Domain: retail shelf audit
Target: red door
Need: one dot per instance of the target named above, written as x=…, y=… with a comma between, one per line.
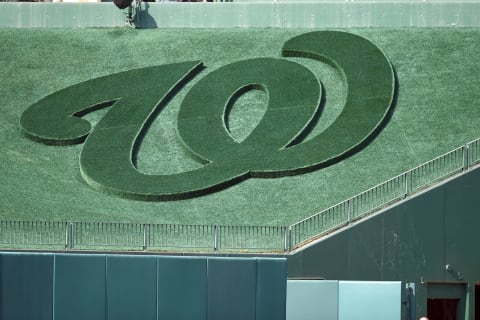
x=442, y=309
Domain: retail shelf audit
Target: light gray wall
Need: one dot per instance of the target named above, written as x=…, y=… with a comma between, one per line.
x=281, y=14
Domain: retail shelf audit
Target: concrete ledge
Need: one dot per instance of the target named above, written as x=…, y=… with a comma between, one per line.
x=304, y=14
x=59, y=15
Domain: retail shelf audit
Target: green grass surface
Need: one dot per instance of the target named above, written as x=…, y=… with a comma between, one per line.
x=437, y=109
x=273, y=149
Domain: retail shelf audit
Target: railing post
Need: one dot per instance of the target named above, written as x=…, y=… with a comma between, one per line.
x=466, y=162
x=145, y=237
x=349, y=210
x=285, y=239
x=67, y=236
x=407, y=184
x=215, y=238
x=290, y=238
x=70, y=236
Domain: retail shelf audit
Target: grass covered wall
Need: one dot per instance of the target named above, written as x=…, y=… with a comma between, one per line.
x=436, y=110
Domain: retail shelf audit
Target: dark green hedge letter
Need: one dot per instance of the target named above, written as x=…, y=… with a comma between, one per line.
x=294, y=94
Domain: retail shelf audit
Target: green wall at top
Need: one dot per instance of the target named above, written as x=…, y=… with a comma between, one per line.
x=294, y=14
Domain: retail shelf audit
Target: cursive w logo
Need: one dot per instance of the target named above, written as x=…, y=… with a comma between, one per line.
x=274, y=148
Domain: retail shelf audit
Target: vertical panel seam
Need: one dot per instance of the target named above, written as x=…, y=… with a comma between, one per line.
x=158, y=284
x=256, y=289
x=444, y=233
x=106, y=288
x=53, y=284
x=206, y=288
x=382, y=249
x=338, y=299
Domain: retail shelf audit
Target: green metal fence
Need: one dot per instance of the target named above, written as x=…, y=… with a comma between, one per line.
x=218, y=238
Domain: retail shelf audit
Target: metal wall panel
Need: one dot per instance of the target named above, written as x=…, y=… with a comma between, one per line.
x=327, y=260
x=365, y=251
x=182, y=288
x=231, y=292
x=27, y=287
x=131, y=287
x=271, y=289
x=462, y=235
x=421, y=237
x=85, y=286
x=80, y=287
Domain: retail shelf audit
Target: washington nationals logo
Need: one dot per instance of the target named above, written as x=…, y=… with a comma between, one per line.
x=274, y=148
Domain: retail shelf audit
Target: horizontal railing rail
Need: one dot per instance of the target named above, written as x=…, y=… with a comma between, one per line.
x=219, y=238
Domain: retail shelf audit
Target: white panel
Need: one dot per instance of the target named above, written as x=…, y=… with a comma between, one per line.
x=372, y=300
x=312, y=300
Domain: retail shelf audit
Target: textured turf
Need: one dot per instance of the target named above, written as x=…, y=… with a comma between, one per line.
x=436, y=110
x=274, y=148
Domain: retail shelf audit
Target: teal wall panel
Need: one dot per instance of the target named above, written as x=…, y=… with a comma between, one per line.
x=61, y=286
x=27, y=287
x=182, y=288
x=365, y=251
x=395, y=264
x=1, y=286
x=369, y=300
x=271, y=287
x=80, y=287
x=131, y=287
x=326, y=261
x=231, y=291
x=461, y=238
x=421, y=237
x=312, y=299
x=406, y=242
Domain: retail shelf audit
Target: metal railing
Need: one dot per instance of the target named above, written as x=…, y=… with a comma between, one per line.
x=33, y=234
x=135, y=237
x=386, y=193
x=218, y=238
